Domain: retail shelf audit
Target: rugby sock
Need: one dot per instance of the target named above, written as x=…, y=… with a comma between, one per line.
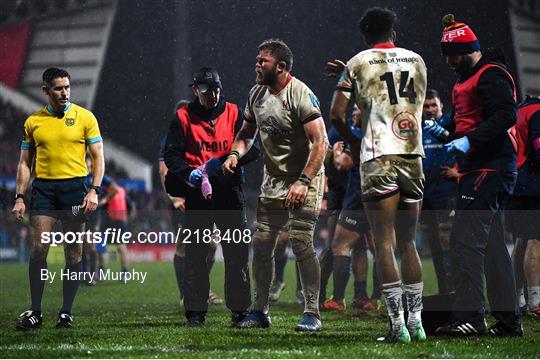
x=179, y=270
x=36, y=283
x=413, y=294
x=280, y=268
x=392, y=293
x=376, y=285
x=521, y=299
x=310, y=275
x=342, y=272
x=360, y=290
x=533, y=298
x=298, y=282
x=70, y=287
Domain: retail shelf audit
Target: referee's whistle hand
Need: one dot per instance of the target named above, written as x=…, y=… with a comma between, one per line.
x=18, y=210
x=90, y=202
x=229, y=167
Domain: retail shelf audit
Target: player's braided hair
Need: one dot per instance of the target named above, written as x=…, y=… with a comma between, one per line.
x=54, y=73
x=279, y=50
x=377, y=24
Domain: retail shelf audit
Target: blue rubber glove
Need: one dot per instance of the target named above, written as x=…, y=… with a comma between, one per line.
x=434, y=129
x=213, y=166
x=459, y=146
x=195, y=176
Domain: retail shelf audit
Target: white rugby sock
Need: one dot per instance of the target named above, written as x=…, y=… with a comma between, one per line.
x=392, y=293
x=413, y=294
x=521, y=299
x=533, y=293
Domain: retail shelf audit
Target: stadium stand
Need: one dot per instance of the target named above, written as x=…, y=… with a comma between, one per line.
x=525, y=20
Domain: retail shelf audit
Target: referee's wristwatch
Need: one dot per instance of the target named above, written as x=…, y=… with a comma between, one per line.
x=19, y=196
x=96, y=188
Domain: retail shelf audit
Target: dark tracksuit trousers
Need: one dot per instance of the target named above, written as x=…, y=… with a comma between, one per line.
x=226, y=210
x=477, y=247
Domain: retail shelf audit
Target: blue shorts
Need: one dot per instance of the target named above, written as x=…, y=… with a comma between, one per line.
x=353, y=217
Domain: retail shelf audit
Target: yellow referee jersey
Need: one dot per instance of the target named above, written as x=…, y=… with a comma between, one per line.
x=60, y=142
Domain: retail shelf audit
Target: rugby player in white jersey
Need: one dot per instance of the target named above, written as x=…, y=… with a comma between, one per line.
x=286, y=113
x=388, y=84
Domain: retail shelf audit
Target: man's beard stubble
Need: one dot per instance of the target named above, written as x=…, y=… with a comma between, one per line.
x=269, y=78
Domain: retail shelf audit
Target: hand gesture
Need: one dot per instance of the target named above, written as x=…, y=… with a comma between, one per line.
x=90, y=202
x=449, y=173
x=229, y=167
x=434, y=129
x=18, y=209
x=195, y=176
x=335, y=68
x=337, y=149
x=459, y=146
x=296, y=195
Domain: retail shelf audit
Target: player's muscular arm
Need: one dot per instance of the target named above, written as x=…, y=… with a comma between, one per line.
x=245, y=138
x=23, y=171
x=23, y=176
x=338, y=111
x=242, y=143
x=316, y=132
x=98, y=162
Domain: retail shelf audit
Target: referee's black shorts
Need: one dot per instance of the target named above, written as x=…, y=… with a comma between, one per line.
x=60, y=199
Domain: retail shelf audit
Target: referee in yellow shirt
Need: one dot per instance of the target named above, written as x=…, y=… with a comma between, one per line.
x=55, y=140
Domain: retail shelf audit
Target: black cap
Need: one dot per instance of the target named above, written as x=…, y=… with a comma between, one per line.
x=206, y=78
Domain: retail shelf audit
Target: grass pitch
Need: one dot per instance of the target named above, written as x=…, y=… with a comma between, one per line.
x=120, y=320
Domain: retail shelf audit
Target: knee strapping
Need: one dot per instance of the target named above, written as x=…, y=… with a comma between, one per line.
x=264, y=241
x=301, y=238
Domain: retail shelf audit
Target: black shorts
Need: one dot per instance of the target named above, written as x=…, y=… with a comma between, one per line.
x=522, y=216
x=334, y=197
x=60, y=199
x=438, y=209
x=353, y=217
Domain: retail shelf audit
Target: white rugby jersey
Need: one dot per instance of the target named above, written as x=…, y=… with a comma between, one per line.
x=280, y=118
x=389, y=86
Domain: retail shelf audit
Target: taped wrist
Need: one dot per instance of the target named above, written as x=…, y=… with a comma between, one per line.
x=234, y=153
x=304, y=179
